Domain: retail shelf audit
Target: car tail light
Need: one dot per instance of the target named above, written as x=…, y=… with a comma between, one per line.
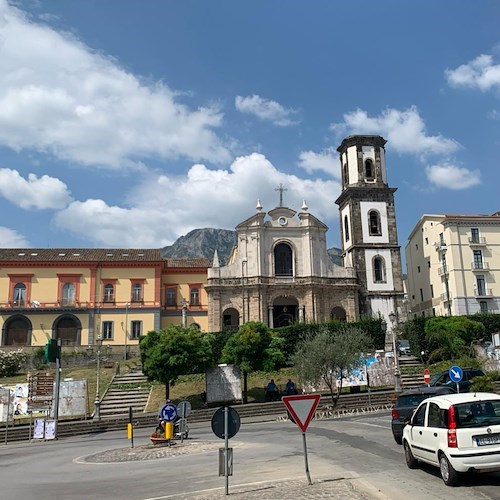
x=452, y=428
x=395, y=414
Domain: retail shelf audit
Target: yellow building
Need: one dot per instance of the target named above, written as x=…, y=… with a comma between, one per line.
x=77, y=295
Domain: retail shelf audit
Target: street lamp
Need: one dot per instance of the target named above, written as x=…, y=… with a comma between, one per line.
x=97, y=402
x=397, y=373
x=243, y=262
x=126, y=330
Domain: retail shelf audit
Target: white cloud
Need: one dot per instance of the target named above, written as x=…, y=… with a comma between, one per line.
x=452, y=177
x=12, y=239
x=39, y=193
x=60, y=97
x=266, y=109
x=327, y=161
x=405, y=131
x=480, y=73
x=172, y=206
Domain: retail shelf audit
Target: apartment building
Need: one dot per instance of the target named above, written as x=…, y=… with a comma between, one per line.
x=78, y=295
x=453, y=265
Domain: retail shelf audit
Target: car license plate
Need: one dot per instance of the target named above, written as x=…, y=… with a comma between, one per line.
x=485, y=440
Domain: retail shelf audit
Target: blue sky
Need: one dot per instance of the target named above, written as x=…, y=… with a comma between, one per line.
x=128, y=123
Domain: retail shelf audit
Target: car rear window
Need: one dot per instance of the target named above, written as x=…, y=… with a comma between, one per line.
x=411, y=399
x=477, y=414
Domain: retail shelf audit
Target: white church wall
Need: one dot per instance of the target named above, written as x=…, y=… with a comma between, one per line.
x=370, y=283
x=365, y=207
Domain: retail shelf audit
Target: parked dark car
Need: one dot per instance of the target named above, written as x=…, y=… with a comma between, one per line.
x=443, y=379
x=407, y=402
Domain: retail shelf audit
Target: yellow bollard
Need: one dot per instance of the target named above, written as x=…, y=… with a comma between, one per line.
x=169, y=430
x=129, y=431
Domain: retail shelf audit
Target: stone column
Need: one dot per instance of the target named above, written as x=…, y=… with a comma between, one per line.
x=271, y=318
x=301, y=314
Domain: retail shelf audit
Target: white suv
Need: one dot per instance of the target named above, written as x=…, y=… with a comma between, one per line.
x=457, y=433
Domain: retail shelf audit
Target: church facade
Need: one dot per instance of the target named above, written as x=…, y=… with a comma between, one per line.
x=280, y=272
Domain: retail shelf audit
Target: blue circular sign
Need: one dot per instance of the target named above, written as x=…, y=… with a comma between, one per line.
x=168, y=412
x=456, y=374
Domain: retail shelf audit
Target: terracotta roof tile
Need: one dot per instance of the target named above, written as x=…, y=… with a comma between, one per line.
x=80, y=254
x=186, y=262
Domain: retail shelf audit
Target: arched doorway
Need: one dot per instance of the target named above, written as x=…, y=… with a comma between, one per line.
x=17, y=331
x=68, y=328
x=230, y=319
x=285, y=311
x=338, y=313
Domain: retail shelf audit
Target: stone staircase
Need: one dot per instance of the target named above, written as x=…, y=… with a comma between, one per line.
x=127, y=390
x=412, y=372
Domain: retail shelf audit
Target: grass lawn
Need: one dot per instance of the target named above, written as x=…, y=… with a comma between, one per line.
x=188, y=387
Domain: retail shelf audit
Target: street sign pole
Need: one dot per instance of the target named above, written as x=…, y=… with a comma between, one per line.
x=226, y=448
x=130, y=426
x=58, y=385
x=305, y=458
x=301, y=410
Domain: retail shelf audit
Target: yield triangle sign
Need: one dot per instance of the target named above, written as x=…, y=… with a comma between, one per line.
x=302, y=408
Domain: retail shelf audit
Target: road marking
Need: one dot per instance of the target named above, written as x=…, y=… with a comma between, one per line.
x=374, y=425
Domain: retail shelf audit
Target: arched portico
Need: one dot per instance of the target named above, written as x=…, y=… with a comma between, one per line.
x=338, y=313
x=17, y=331
x=68, y=328
x=284, y=311
x=230, y=319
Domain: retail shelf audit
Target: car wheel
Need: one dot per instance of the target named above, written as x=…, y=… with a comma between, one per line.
x=411, y=461
x=450, y=476
x=398, y=439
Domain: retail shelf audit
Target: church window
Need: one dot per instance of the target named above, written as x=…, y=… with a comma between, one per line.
x=374, y=223
x=346, y=174
x=379, y=269
x=369, y=170
x=283, y=260
x=346, y=228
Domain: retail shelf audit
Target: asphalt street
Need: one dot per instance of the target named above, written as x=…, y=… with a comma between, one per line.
x=350, y=458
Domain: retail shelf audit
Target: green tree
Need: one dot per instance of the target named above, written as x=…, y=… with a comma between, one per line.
x=172, y=352
x=331, y=354
x=450, y=337
x=253, y=347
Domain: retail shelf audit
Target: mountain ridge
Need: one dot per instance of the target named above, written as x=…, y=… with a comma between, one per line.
x=204, y=242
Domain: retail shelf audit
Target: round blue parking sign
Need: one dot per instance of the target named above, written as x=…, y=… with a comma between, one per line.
x=168, y=412
x=456, y=374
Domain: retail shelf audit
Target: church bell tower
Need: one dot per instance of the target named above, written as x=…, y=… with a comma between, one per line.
x=368, y=226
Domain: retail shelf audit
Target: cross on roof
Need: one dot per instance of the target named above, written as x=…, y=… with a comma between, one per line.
x=281, y=189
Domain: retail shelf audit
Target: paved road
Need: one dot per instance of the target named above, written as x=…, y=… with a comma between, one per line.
x=350, y=458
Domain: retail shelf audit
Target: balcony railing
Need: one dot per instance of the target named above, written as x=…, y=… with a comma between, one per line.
x=442, y=270
x=480, y=266
x=445, y=297
x=477, y=240
x=483, y=292
x=440, y=245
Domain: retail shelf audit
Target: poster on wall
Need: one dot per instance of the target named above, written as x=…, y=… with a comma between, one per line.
x=223, y=383
x=39, y=428
x=20, y=403
x=50, y=429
